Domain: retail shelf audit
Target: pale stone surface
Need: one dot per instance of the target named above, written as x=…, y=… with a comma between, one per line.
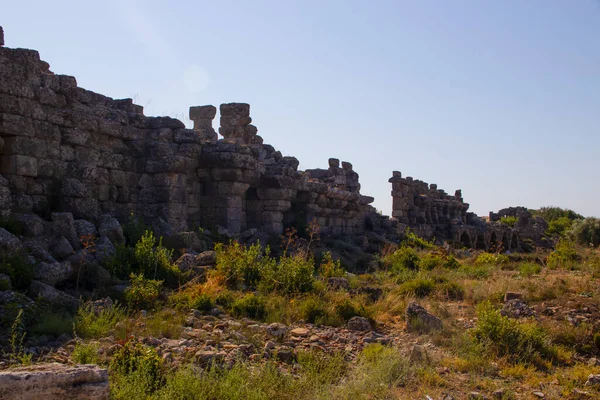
x=55, y=382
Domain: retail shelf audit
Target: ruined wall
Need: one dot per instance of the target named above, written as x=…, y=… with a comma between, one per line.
x=433, y=213
x=69, y=149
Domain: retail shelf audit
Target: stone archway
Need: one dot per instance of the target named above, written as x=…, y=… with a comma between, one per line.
x=465, y=239
x=480, y=242
x=493, y=247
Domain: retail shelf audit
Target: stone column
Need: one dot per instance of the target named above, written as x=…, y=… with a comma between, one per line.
x=235, y=124
x=1, y=36
x=203, y=117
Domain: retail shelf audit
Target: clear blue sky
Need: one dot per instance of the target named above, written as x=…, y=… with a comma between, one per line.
x=498, y=98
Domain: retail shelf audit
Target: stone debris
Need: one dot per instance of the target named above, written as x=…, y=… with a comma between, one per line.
x=54, y=382
x=419, y=320
x=517, y=308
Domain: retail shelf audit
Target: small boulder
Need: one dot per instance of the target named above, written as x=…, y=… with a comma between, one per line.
x=61, y=248
x=277, y=330
x=104, y=248
x=512, y=295
x=299, y=332
x=9, y=243
x=64, y=225
x=593, y=380
x=53, y=296
x=206, y=258
x=111, y=228
x=53, y=273
x=357, y=323
x=421, y=321
x=85, y=228
x=32, y=224
x=186, y=262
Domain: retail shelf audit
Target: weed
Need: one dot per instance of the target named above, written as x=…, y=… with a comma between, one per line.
x=85, y=353
x=143, y=293
x=93, y=324
x=250, y=306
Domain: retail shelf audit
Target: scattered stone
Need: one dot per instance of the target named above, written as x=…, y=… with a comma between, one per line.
x=103, y=249
x=538, y=394
x=52, y=295
x=206, y=258
x=54, y=273
x=593, y=380
x=9, y=243
x=61, y=248
x=277, y=330
x=357, y=323
x=421, y=321
x=336, y=283
x=84, y=228
x=516, y=308
x=476, y=396
x=301, y=332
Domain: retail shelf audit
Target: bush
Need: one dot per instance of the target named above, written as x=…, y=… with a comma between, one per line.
x=53, y=323
x=559, y=226
x=403, y=258
x=85, y=354
x=331, y=268
x=491, y=259
x=586, y=232
x=135, y=362
x=143, y=293
x=250, y=306
x=202, y=303
x=528, y=269
x=312, y=310
x=431, y=261
x=553, y=213
x=19, y=269
x=509, y=220
x=506, y=337
x=93, y=324
x=412, y=240
x=346, y=309
x=564, y=255
x=292, y=274
x=242, y=266
x=451, y=291
x=153, y=259
x=121, y=262
x=134, y=230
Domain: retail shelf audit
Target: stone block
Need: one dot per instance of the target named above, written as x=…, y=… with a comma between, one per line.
x=204, y=112
x=334, y=163
x=19, y=165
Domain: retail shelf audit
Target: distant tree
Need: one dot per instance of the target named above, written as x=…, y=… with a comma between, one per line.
x=586, y=231
x=553, y=213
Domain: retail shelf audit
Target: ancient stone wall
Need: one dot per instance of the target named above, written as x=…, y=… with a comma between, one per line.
x=433, y=213
x=69, y=149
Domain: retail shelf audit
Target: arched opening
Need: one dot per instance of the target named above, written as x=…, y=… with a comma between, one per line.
x=505, y=243
x=493, y=243
x=252, y=208
x=465, y=239
x=480, y=242
x=514, y=244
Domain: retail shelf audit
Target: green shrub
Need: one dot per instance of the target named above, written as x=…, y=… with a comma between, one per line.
x=331, y=268
x=586, y=232
x=507, y=337
x=528, y=269
x=451, y=290
x=241, y=266
x=411, y=239
x=509, y=220
x=85, y=353
x=53, y=323
x=431, y=261
x=312, y=309
x=292, y=274
x=202, y=303
x=250, y=306
x=134, y=230
x=565, y=255
x=559, y=226
x=97, y=324
x=153, y=259
x=19, y=269
x=492, y=259
x=121, y=263
x=143, y=293
x=403, y=258
x=347, y=309
x=553, y=213
x=419, y=287
x=135, y=362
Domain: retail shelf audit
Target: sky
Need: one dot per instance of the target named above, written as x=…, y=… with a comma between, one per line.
x=498, y=98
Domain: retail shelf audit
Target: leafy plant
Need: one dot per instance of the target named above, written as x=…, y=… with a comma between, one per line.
x=94, y=324
x=85, y=353
x=330, y=268
x=403, y=258
x=292, y=274
x=134, y=362
x=17, y=338
x=250, y=306
x=240, y=265
x=143, y=293
x=509, y=220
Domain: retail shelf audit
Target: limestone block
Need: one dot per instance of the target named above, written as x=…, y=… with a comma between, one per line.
x=232, y=188
x=15, y=125
x=54, y=382
x=207, y=112
x=227, y=174
x=334, y=163
x=277, y=205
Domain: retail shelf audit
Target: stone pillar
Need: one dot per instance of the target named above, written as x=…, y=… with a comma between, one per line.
x=235, y=124
x=203, y=117
x=1, y=36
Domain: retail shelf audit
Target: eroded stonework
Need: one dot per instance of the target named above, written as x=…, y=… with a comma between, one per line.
x=65, y=148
